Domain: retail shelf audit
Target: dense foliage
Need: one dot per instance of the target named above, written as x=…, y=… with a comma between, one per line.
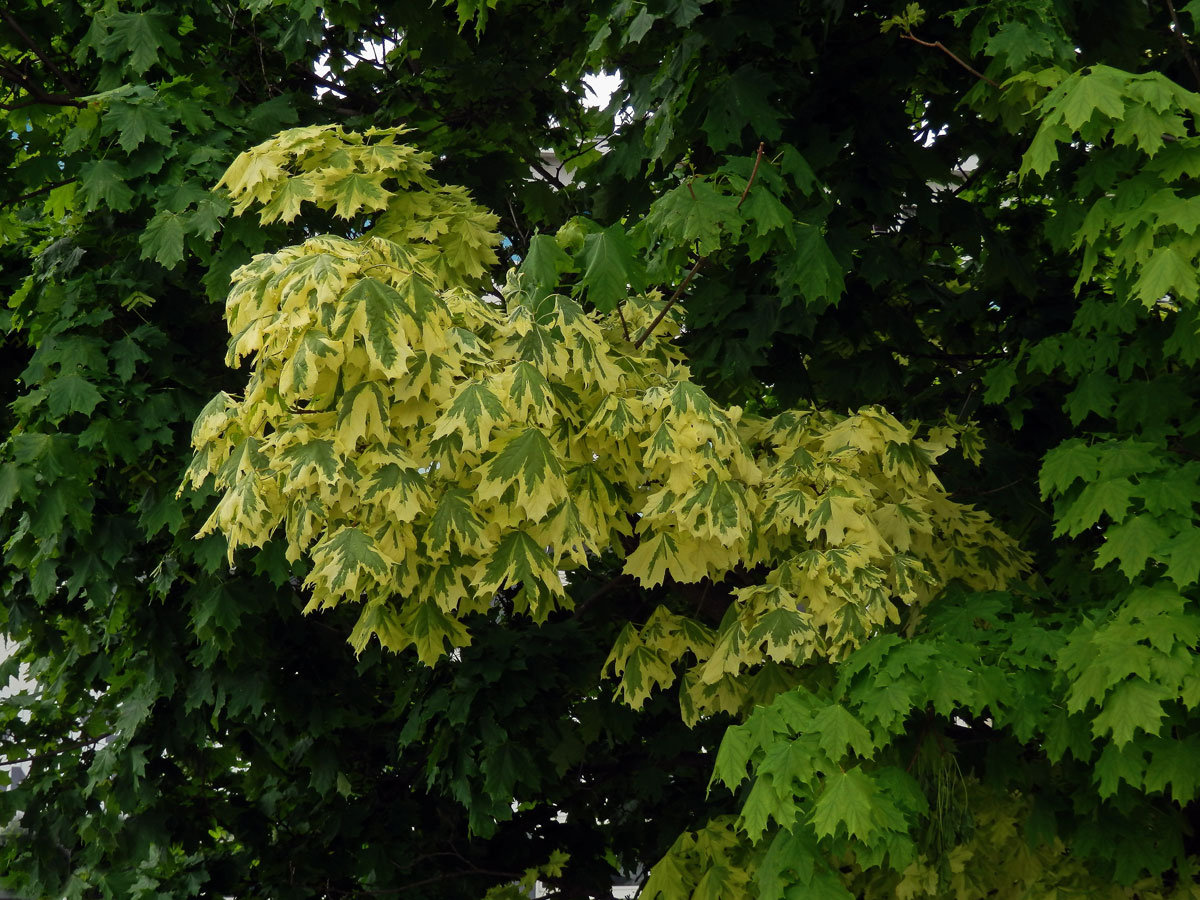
x=790, y=493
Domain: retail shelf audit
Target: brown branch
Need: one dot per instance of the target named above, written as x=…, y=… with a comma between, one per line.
x=38, y=98
x=42, y=190
x=38, y=94
x=938, y=45
x=671, y=302
x=757, y=160
x=41, y=54
x=1183, y=44
x=624, y=325
x=700, y=261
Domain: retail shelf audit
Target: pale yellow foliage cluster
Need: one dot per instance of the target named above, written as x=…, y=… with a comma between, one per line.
x=427, y=448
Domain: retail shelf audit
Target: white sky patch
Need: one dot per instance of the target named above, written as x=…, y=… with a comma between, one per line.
x=600, y=88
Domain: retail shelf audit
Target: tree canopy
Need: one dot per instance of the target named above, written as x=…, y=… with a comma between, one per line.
x=784, y=487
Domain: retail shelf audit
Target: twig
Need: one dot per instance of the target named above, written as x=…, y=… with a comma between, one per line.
x=68, y=83
x=42, y=190
x=624, y=326
x=699, y=262
x=938, y=45
x=671, y=302
x=516, y=224
x=36, y=99
x=1183, y=44
x=757, y=159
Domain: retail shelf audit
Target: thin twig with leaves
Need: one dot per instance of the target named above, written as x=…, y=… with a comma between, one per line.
x=700, y=261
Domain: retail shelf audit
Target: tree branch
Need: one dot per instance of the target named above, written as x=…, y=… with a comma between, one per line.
x=41, y=54
x=1183, y=44
x=938, y=45
x=42, y=190
x=699, y=262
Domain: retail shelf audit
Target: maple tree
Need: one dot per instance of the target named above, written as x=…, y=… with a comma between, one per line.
x=796, y=500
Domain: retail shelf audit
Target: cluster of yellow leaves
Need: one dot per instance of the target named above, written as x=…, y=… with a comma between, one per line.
x=996, y=861
x=841, y=521
x=350, y=174
x=428, y=448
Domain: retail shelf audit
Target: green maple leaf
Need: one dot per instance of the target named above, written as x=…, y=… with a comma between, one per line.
x=611, y=269
x=1173, y=762
x=1112, y=497
x=848, y=801
x=433, y=632
x=103, y=183
x=763, y=803
x=719, y=883
x=1121, y=459
x=1093, y=394
x=695, y=212
x=136, y=121
x=827, y=886
x=950, y=687
x=71, y=393
x=1169, y=270
x=1117, y=764
x=544, y=262
x=1017, y=42
x=125, y=355
x=790, y=859
x=1132, y=543
x=837, y=729
x=737, y=744
x=162, y=239
x=810, y=268
x=1182, y=555
x=1065, y=464
x=742, y=101
x=1135, y=705
x=139, y=34
x=888, y=704
x=1174, y=491
x=1100, y=90
x=1162, y=616
x=1147, y=127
